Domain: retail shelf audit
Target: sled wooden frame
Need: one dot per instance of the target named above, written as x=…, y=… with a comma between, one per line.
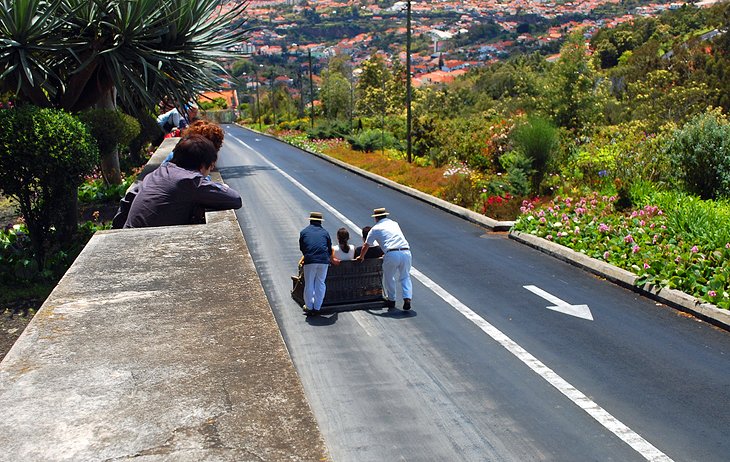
x=351, y=285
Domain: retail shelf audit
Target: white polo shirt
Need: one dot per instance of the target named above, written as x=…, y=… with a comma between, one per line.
x=388, y=234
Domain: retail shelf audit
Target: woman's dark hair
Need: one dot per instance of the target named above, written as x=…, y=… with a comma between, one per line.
x=342, y=237
x=365, y=232
x=193, y=152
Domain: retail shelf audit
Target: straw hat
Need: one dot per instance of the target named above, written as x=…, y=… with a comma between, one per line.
x=381, y=212
x=316, y=216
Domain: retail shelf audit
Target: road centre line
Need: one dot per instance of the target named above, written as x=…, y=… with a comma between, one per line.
x=612, y=424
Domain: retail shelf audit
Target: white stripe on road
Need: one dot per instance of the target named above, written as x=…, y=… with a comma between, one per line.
x=633, y=439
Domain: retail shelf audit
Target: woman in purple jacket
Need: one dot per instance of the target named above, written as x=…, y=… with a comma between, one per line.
x=175, y=192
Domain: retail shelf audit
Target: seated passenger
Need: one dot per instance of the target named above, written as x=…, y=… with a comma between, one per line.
x=372, y=252
x=176, y=192
x=343, y=251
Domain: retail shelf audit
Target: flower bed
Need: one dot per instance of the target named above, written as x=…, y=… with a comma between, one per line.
x=649, y=242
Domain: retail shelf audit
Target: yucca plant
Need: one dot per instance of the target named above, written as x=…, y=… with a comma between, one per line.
x=78, y=54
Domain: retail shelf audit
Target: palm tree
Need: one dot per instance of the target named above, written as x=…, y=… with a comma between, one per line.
x=78, y=54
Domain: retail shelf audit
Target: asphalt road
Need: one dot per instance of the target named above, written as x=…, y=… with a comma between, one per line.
x=480, y=369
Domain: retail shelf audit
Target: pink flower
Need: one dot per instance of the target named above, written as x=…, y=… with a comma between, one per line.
x=727, y=246
x=543, y=220
x=646, y=266
x=576, y=230
x=694, y=249
x=549, y=237
x=677, y=260
x=629, y=239
x=712, y=293
x=635, y=249
x=605, y=255
x=604, y=228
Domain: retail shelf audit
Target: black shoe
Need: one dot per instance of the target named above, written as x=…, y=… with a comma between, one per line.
x=312, y=312
x=390, y=304
x=406, y=304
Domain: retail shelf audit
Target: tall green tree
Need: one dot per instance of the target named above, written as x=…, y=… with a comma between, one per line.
x=335, y=95
x=77, y=54
x=371, y=99
x=575, y=98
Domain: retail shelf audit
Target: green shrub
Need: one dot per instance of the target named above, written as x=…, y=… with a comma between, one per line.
x=372, y=140
x=216, y=103
x=138, y=153
x=44, y=156
x=328, y=130
x=700, y=154
x=538, y=140
x=519, y=168
x=98, y=190
x=111, y=129
x=18, y=266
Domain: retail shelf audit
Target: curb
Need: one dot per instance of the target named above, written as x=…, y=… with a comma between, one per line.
x=466, y=214
x=670, y=297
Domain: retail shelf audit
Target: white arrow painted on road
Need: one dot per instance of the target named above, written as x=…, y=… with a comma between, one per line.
x=580, y=311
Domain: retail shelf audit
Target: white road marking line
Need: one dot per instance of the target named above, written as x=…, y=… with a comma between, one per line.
x=579, y=311
x=633, y=439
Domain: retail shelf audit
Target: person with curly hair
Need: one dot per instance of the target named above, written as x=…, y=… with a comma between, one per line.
x=205, y=128
x=178, y=193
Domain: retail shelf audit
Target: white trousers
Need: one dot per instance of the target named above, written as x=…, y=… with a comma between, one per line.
x=397, y=266
x=314, y=288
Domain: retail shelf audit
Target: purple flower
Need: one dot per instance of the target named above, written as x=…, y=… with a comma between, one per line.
x=712, y=293
x=629, y=239
x=646, y=266
x=604, y=228
x=694, y=249
x=635, y=249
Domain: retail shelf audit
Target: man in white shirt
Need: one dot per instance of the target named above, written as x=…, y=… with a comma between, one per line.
x=397, y=258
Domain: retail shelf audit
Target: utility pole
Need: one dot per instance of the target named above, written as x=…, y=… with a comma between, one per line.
x=352, y=93
x=408, y=84
x=258, y=96
x=311, y=90
x=272, y=95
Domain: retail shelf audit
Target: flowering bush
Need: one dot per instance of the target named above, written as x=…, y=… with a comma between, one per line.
x=648, y=242
x=301, y=140
x=499, y=207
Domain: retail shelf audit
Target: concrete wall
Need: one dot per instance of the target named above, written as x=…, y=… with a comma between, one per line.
x=158, y=343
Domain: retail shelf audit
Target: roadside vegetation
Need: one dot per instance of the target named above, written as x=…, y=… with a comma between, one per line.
x=631, y=124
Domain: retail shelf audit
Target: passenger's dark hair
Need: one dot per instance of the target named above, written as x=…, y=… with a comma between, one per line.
x=193, y=152
x=342, y=237
x=365, y=232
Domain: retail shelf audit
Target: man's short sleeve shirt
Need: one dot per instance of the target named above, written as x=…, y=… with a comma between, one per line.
x=388, y=234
